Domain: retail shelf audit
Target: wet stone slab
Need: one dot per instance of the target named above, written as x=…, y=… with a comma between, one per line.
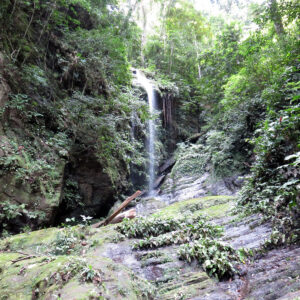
x=248, y=233
x=273, y=276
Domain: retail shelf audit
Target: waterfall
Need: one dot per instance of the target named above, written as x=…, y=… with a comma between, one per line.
x=146, y=84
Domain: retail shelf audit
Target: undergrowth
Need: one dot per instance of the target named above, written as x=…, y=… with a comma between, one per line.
x=197, y=237
x=189, y=233
x=216, y=258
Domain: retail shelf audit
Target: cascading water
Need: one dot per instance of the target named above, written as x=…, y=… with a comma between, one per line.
x=146, y=84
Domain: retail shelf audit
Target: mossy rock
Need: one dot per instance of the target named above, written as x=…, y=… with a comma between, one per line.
x=27, y=273
x=189, y=285
x=212, y=206
x=29, y=241
x=48, y=277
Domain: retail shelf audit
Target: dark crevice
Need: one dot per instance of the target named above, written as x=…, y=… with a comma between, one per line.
x=87, y=190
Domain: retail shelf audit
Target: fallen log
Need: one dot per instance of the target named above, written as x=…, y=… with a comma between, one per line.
x=129, y=214
x=118, y=210
x=167, y=165
x=22, y=258
x=159, y=181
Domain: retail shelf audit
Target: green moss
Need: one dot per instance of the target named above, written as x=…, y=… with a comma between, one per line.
x=43, y=275
x=103, y=235
x=6, y=258
x=22, y=278
x=218, y=211
x=119, y=278
x=30, y=240
x=213, y=206
x=80, y=291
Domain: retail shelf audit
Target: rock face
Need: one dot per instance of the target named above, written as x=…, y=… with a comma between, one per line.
x=31, y=202
x=41, y=199
x=187, y=187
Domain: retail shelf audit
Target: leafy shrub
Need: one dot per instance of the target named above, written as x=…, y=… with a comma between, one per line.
x=216, y=258
x=193, y=207
x=74, y=268
x=71, y=195
x=9, y=214
x=190, y=159
x=146, y=227
x=190, y=232
x=67, y=242
x=40, y=173
x=89, y=274
x=10, y=211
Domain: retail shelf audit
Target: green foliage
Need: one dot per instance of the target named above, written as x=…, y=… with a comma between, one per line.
x=273, y=187
x=175, y=49
x=66, y=242
x=20, y=104
x=66, y=63
x=193, y=207
x=11, y=212
x=77, y=268
x=146, y=227
x=216, y=258
x=71, y=196
x=190, y=159
x=197, y=230
x=108, y=127
x=41, y=174
x=89, y=274
x=213, y=152
x=200, y=239
x=245, y=104
x=92, y=49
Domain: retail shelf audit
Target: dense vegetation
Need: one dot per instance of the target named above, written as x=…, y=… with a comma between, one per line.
x=67, y=104
x=67, y=101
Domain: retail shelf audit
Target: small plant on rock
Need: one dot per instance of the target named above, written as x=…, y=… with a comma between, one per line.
x=89, y=274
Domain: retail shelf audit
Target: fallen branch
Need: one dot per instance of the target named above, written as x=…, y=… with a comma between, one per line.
x=246, y=164
x=23, y=258
x=118, y=210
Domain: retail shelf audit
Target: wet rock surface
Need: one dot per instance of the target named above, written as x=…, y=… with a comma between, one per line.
x=276, y=275
x=248, y=233
x=188, y=187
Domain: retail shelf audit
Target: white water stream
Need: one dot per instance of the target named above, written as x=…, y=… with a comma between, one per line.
x=147, y=85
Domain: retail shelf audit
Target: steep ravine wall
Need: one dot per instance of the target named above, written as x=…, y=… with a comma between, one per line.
x=50, y=167
x=29, y=196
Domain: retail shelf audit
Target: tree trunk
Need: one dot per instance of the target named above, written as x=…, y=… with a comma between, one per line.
x=276, y=17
